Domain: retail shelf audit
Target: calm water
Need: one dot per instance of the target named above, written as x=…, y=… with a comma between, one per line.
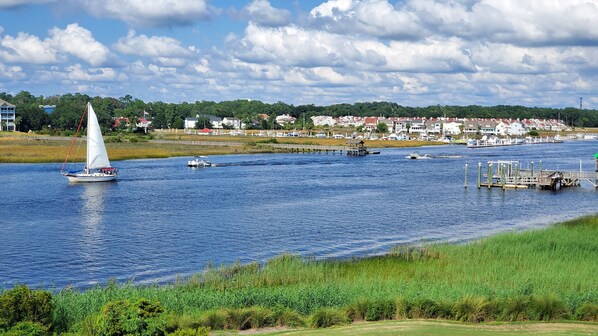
x=162, y=220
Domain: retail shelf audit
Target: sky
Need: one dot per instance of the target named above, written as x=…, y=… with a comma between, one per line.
x=414, y=52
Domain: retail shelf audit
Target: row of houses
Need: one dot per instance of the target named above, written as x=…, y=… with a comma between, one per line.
x=445, y=126
x=397, y=125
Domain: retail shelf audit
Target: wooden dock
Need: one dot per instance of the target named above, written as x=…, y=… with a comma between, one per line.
x=353, y=148
x=298, y=148
x=509, y=174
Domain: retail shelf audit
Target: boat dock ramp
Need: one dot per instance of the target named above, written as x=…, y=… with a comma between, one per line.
x=510, y=174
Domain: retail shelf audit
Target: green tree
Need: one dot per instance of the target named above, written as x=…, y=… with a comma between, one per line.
x=382, y=128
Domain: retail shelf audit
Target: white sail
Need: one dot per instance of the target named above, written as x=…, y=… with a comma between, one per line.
x=97, y=157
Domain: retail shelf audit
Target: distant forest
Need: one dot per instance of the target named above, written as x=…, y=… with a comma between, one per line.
x=69, y=107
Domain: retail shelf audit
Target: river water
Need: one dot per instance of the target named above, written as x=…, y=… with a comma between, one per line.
x=162, y=220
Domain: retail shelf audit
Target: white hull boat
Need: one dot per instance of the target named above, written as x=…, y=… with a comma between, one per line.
x=199, y=161
x=97, y=166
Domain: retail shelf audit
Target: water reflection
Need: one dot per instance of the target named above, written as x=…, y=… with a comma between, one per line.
x=93, y=197
x=93, y=200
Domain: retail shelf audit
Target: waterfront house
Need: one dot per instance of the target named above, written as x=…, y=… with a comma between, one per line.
x=7, y=116
x=235, y=123
x=471, y=127
x=451, y=128
x=487, y=127
x=516, y=129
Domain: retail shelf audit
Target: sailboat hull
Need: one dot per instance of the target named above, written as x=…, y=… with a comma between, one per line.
x=89, y=177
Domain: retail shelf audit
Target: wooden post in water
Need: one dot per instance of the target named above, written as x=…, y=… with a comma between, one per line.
x=465, y=183
x=480, y=173
x=489, y=177
x=532, y=171
x=540, y=167
x=502, y=175
x=516, y=174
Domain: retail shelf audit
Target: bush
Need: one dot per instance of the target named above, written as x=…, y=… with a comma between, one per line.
x=215, y=319
x=20, y=304
x=427, y=308
x=327, y=317
x=260, y=317
x=548, y=308
x=381, y=310
x=472, y=309
x=587, y=312
x=237, y=319
x=124, y=317
x=358, y=310
x=284, y=316
x=516, y=309
x=27, y=328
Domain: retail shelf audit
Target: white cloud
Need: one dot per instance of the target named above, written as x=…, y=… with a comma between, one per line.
x=25, y=48
x=154, y=46
x=151, y=13
x=77, y=73
x=260, y=11
x=534, y=22
x=14, y=72
x=309, y=48
x=1, y=29
x=79, y=42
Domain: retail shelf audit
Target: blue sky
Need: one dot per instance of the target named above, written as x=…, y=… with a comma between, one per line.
x=412, y=52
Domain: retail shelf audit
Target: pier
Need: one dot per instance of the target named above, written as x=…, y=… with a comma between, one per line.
x=316, y=149
x=353, y=148
x=510, y=174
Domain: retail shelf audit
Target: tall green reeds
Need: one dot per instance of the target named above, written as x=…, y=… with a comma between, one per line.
x=543, y=274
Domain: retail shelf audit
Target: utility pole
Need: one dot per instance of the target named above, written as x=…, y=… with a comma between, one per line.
x=580, y=103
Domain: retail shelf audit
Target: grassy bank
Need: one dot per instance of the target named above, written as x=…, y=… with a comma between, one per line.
x=541, y=275
x=23, y=148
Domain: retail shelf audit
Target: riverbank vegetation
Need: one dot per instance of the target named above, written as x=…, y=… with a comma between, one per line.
x=539, y=275
x=16, y=147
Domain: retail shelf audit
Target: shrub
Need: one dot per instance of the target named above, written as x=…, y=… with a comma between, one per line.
x=214, y=319
x=327, y=317
x=427, y=308
x=516, y=309
x=472, y=309
x=27, y=328
x=380, y=310
x=124, y=317
x=260, y=317
x=284, y=316
x=21, y=304
x=358, y=310
x=403, y=308
x=548, y=308
x=237, y=319
x=587, y=312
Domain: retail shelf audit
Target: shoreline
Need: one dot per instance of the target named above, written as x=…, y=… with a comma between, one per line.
x=536, y=275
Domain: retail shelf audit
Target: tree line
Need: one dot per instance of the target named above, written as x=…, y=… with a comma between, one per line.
x=69, y=107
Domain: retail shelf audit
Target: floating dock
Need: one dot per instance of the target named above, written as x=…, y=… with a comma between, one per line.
x=510, y=175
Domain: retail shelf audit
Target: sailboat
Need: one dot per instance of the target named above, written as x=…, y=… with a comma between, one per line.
x=97, y=166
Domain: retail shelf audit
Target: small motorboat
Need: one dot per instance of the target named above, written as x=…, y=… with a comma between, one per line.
x=416, y=156
x=199, y=161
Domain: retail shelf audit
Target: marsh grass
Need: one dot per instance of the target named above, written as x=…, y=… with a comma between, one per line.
x=542, y=274
x=25, y=148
